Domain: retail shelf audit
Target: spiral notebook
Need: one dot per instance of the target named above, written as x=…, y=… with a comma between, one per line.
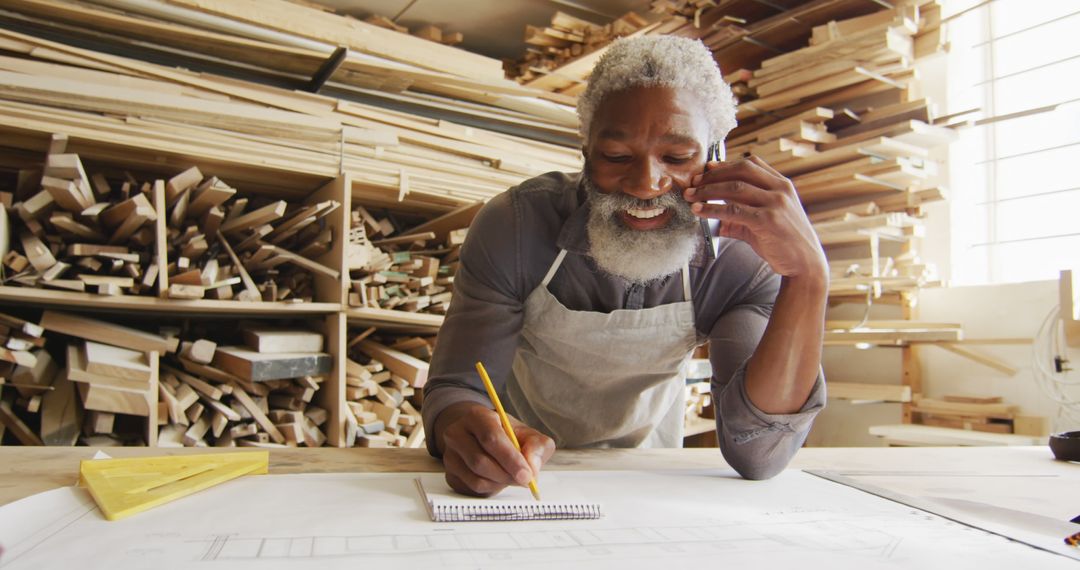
x=512, y=504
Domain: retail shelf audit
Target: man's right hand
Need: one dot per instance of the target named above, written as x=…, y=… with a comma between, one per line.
x=479, y=457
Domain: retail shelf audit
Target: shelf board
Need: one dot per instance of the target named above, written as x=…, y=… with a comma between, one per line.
x=390, y=319
x=74, y=299
x=920, y=435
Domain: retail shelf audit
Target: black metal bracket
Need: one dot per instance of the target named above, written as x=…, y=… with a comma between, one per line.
x=327, y=69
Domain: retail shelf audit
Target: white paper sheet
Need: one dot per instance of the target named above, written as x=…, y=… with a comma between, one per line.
x=671, y=519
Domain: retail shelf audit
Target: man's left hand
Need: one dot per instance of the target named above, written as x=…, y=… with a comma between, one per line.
x=761, y=208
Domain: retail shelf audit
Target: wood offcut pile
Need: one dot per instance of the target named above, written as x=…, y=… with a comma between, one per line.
x=257, y=394
x=383, y=378
x=412, y=270
x=78, y=232
x=254, y=249
x=83, y=378
x=81, y=233
x=111, y=384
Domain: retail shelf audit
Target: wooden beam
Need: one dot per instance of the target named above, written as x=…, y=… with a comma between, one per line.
x=109, y=333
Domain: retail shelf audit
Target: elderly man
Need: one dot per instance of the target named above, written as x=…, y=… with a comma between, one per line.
x=584, y=295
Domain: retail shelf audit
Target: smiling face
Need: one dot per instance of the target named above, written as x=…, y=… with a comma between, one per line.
x=646, y=144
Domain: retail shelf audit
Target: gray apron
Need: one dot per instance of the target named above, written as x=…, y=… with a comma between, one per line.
x=591, y=379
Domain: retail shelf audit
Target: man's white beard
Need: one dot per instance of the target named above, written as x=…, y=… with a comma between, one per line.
x=639, y=256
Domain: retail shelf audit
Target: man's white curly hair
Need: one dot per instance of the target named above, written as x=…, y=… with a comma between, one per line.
x=660, y=61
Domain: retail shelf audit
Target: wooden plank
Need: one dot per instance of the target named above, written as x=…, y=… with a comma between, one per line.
x=76, y=372
x=102, y=399
x=109, y=333
x=161, y=255
x=107, y=360
x=256, y=366
x=869, y=392
x=270, y=340
x=256, y=413
x=251, y=291
x=355, y=34
x=408, y=367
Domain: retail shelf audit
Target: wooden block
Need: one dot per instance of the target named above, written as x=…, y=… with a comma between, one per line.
x=76, y=372
x=107, y=360
x=39, y=374
x=105, y=332
x=99, y=422
x=181, y=183
x=179, y=291
x=412, y=369
x=269, y=340
x=194, y=434
x=1031, y=425
x=39, y=255
x=201, y=351
x=175, y=412
x=257, y=366
x=103, y=399
x=243, y=430
x=186, y=396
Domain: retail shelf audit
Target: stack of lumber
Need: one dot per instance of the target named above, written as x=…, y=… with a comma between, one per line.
x=841, y=118
x=139, y=115
x=382, y=395
x=412, y=271
x=257, y=394
x=567, y=77
x=285, y=42
x=986, y=414
x=428, y=32
x=566, y=39
x=743, y=33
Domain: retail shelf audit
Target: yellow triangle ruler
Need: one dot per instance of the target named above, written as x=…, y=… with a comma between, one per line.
x=123, y=487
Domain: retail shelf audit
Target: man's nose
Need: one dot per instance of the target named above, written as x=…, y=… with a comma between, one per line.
x=647, y=180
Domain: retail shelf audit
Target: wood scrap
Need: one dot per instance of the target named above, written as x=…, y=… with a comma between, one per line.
x=382, y=407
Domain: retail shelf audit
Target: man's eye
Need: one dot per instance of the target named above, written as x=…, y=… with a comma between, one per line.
x=678, y=159
x=617, y=157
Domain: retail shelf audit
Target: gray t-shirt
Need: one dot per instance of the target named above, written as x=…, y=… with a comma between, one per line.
x=509, y=248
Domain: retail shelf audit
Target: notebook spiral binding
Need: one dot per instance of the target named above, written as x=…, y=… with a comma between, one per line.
x=457, y=513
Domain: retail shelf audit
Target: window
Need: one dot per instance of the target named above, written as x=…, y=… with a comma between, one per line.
x=1015, y=184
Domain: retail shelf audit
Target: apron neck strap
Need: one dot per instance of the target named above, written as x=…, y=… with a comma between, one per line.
x=554, y=267
x=686, y=281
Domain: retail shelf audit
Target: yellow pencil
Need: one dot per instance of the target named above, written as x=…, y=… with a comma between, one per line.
x=504, y=419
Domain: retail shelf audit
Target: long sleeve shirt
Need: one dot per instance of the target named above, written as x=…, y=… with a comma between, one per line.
x=509, y=248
